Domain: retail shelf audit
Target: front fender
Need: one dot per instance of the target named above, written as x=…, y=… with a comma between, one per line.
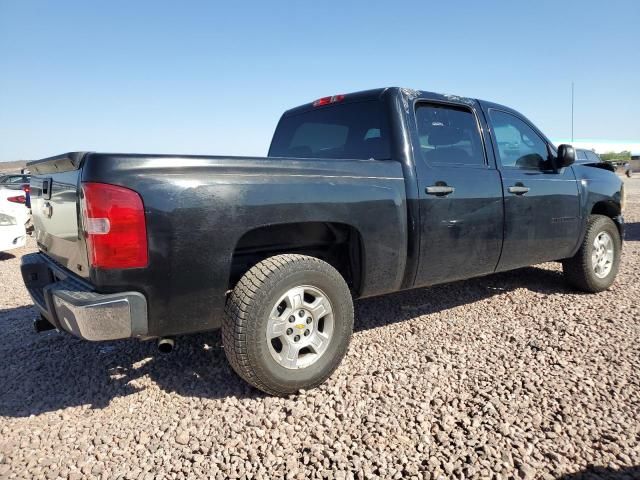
x=602, y=193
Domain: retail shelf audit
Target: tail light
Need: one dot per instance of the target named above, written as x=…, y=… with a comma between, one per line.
x=26, y=188
x=114, y=226
x=18, y=199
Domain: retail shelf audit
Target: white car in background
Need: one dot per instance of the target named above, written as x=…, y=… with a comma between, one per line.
x=14, y=216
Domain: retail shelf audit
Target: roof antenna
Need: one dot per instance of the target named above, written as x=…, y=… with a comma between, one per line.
x=571, y=112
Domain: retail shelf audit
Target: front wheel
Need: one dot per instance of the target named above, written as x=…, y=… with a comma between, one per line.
x=288, y=323
x=595, y=266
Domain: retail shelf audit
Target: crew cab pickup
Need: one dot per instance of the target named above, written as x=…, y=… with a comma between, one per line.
x=361, y=194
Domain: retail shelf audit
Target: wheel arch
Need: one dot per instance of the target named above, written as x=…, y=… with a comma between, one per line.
x=610, y=209
x=339, y=244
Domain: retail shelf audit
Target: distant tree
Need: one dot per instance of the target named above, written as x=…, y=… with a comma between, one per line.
x=623, y=156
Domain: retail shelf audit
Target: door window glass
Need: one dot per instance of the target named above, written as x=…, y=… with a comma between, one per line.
x=581, y=155
x=449, y=135
x=519, y=145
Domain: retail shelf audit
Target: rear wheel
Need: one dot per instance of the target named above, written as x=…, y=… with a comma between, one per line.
x=288, y=323
x=595, y=266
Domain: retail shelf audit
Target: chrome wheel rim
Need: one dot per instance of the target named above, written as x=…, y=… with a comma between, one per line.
x=602, y=255
x=300, y=327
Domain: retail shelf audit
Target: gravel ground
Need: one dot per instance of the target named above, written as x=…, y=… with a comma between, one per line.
x=511, y=375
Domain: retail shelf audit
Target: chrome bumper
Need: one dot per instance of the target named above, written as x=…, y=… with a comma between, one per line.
x=70, y=304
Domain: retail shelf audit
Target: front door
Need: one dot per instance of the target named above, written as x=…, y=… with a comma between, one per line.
x=542, y=208
x=461, y=205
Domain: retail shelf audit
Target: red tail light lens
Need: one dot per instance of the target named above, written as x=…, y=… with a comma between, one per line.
x=327, y=100
x=18, y=199
x=114, y=226
x=26, y=188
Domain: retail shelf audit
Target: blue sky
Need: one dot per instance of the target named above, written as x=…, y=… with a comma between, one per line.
x=207, y=77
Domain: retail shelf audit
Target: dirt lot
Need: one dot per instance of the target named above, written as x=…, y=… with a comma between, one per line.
x=512, y=375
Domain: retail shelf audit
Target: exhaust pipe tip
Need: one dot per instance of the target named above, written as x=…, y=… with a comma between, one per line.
x=165, y=345
x=41, y=324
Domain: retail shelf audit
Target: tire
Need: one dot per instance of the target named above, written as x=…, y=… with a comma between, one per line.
x=262, y=304
x=579, y=270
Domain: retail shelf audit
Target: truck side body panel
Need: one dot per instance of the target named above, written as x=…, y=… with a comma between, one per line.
x=542, y=225
x=198, y=208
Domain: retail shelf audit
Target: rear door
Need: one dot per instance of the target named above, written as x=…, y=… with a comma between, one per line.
x=542, y=208
x=461, y=204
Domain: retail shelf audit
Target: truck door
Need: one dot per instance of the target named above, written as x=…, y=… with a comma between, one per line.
x=542, y=207
x=461, y=203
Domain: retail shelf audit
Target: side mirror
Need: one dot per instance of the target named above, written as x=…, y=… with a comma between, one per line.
x=566, y=156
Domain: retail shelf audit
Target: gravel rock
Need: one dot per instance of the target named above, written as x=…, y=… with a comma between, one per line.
x=182, y=437
x=506, y=376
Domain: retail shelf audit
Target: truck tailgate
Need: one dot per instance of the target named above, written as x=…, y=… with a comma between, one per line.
x=55, y=190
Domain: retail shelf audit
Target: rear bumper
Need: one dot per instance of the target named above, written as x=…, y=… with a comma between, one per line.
x=70, y=304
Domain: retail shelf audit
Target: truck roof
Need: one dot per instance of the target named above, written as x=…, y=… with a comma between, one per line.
x=373, y=94
x=379, y=93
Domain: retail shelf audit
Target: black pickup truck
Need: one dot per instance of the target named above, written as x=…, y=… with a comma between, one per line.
x=361, y=194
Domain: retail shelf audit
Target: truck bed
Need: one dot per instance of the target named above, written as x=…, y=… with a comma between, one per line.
x=206, y=215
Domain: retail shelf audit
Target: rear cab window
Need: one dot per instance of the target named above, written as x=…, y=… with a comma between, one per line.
x=357, y=130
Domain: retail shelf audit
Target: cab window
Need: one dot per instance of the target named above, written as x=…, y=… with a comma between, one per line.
x=449, y=135
x=519, y=146
x=344, y=130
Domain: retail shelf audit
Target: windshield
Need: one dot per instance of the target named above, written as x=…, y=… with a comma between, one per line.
x=351, y=130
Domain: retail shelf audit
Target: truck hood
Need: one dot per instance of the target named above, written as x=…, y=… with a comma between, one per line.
x=602, y=165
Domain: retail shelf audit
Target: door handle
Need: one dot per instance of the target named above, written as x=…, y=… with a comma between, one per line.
x=439, y=190
x=518, y=189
